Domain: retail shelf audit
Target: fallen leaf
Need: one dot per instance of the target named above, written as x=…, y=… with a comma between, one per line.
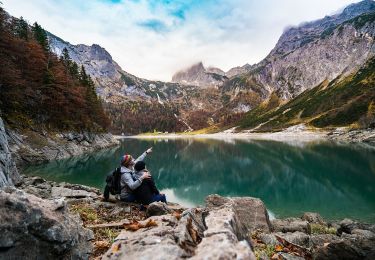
x=116, y=247
x=134, y=226
x=325, y=244
x=150, y=223
x=279, y=248
x=177, y=215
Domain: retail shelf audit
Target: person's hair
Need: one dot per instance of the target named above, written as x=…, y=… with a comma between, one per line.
x=139, y=166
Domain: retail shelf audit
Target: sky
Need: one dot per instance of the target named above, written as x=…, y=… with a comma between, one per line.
x=153, y=39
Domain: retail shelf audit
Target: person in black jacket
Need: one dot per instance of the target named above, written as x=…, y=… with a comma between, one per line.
x=147, y=192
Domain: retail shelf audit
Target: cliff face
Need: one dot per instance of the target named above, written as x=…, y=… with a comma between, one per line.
x=311, y=53
x=8, y=171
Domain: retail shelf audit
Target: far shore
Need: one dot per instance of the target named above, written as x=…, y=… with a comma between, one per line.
x=294, y=134
x=303, y=136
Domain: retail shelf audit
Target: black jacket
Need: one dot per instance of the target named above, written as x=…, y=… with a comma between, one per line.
x=144, y=193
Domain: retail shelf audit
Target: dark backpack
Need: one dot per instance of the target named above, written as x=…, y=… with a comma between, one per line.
x=113, y=183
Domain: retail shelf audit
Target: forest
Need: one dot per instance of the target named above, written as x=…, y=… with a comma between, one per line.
x=40, y=90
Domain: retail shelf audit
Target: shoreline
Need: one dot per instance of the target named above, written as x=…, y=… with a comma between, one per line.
x=105, y=224
x=291, y=134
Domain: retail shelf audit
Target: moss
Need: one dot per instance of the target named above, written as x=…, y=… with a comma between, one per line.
x=266, y=250
x=322, y=229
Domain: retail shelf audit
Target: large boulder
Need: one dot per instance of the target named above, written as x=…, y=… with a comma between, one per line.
x=313, y=217
x=157, y=209
x=250, y=212
x=33, y=228
x=8, y=171
x=168, y=238
x=219, y=231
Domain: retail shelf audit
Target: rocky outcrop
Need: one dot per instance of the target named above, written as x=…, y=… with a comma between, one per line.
x=36, y=147
x=34, y=228
x=218, y=231
x=8, y=171
x=51, y=190
x=322, y=240
x=198, y=75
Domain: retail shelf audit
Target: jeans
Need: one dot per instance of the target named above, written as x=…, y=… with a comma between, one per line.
x=159, y=197
x=128, y=198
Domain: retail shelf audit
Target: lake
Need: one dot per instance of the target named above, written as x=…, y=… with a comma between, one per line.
x=333, y=179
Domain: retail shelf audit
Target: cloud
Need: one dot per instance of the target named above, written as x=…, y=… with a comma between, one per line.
x=154, y=25
x=155, y=38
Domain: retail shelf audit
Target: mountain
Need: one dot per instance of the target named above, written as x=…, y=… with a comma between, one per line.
x=346, y=100
x=162, y=106
x=303, y=58
x=114, y=84
x=238, y=70
x=198, y=75
x=316, y=51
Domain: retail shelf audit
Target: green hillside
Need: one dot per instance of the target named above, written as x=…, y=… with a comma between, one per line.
x=344, y=101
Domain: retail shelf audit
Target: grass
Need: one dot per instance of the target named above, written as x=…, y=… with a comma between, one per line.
x=322, y=229
x=267, y=250
x=87, y=213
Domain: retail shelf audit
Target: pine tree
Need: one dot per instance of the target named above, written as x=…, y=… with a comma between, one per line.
x=22, y=29
x=40, y=36
x=83, y=78
x=65, y=57
x=73, y=69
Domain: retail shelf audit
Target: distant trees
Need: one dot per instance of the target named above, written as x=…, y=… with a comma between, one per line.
x=39, y=89
x=135, y=117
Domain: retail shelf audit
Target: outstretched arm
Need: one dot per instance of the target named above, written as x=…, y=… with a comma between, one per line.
x=143, y=156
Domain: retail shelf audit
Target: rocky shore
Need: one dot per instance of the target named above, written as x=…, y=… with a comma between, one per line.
x=72, y=221
x=31, y=147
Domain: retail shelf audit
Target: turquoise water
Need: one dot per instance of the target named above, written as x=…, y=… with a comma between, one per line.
x=335, y=180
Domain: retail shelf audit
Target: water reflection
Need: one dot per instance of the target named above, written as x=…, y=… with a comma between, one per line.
x=335, y=180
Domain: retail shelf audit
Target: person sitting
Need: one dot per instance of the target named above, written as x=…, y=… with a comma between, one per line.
x=128, y=182
x=147, y=192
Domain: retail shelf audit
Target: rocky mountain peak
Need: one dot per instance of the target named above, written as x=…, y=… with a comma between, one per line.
x=198, y=75
x=359, y=8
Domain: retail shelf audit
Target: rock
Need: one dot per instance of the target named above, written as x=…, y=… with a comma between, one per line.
x=298, y=238
x=208, y=233
x=268, y=239
x=313, y=218
x=212, y=248
x=338, y=250
x=170, y=239
x=157, y=209
x=8, y=172
x=347, y=225
x=358, y=245
x=291, y=225
x=58, y=192
x=321, y=239
x=364, y=233
x=59, y=204
x=251, y=212
x=41, y=193
x=32, y=228
x=285, y=256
